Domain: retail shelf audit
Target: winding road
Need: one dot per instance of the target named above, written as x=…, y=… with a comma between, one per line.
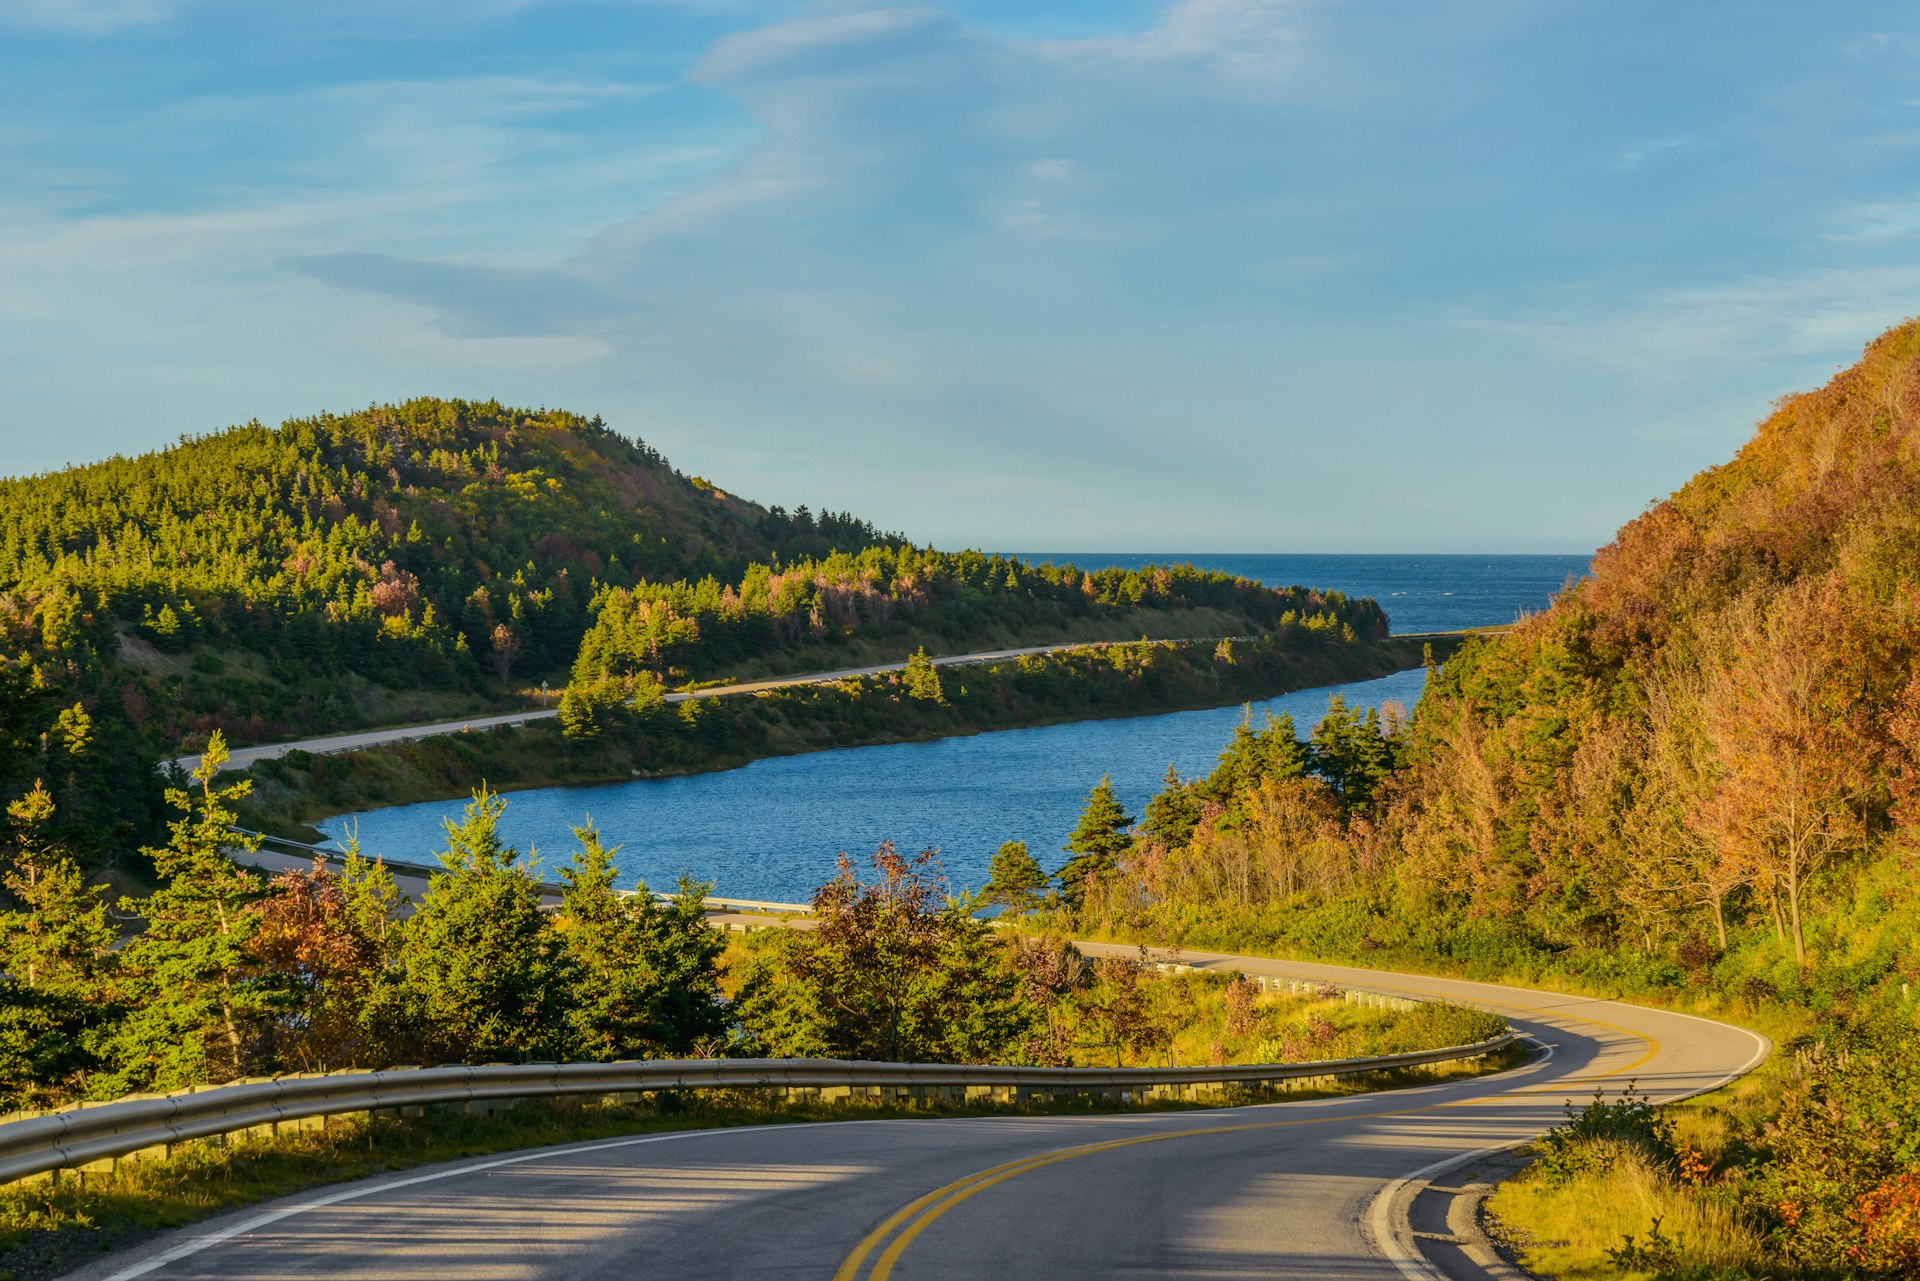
x=241, y=757
x=1291, y=1190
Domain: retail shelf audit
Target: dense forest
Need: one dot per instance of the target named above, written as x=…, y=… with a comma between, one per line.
x=1696, y=776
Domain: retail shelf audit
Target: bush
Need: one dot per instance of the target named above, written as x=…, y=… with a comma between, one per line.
x=1594, y=1138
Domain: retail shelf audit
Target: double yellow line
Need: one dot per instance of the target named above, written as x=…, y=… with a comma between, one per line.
x=913, y=1218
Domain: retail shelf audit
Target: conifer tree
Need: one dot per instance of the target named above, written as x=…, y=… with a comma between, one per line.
x=58, y=958
x=194, y=1011
x=1014, y=881
x=1173, y=812
x=484, y=975
x=922, y=678
x=1097, y=842
x=645, y=973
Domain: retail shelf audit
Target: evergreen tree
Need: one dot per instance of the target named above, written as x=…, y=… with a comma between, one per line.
x=1173, y=812
x=645, y=973
x=922, y=678
x=1014, y=881
x=1351, y=751
x=891, y=971
x=485, y=977
x=1097, y=842
x=58, y=956
x=195, y=1010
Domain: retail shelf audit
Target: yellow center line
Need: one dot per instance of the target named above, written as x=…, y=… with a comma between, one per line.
x=936, y=1203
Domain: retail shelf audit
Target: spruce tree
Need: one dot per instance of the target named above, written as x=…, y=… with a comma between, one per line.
x=1173, y=812
x=645, y=974
x=55, y=996
x=1014, y=881
x=1097, y=842
x=485, y=976
x=922, y=678
x=195, y=1007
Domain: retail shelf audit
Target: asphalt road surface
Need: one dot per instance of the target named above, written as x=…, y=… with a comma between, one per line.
x=241, y=757
x=1286, y=1190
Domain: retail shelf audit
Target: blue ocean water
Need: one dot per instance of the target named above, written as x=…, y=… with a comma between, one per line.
x=772, y=829
x=1420, y=593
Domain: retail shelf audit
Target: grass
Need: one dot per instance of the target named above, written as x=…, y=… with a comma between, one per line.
x=1579, y=1230
x=51, y=1225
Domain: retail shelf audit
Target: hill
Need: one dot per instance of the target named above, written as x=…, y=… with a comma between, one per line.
x=440, y=558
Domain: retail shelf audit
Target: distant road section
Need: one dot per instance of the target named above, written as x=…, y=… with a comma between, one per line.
x=241, y=757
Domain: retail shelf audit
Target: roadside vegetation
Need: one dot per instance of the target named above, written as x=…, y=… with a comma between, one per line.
x=228, y=975
x=1694, y=780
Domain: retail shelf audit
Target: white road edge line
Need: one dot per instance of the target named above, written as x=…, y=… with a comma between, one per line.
x=1380, y=1218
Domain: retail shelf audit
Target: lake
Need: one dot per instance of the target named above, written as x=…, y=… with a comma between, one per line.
x=771, y=830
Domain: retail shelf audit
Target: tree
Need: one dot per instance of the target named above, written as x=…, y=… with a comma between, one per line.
x=922, y=678
x=1173, y=812
x=506, y=648
x=645, y=974
x=891, y=971
x=1096, y=844
x=195, y=1010
x=1014, y=881
x=330, y=939
x=484, y=975
x=1351, y=752
x=56, y=995
x=1785, y=719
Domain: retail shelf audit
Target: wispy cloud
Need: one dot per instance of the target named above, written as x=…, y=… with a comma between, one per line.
x=98, y=17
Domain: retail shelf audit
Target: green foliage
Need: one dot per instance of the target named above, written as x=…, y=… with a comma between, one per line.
x=193, y=1008
x=922, y=678
x=1015, y=880
x=644, y=972
x=890, y=971
x=1096, y=843
x=482, y=974
x=1593, y=1136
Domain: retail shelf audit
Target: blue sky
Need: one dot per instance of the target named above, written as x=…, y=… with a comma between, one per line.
x=1259, y=275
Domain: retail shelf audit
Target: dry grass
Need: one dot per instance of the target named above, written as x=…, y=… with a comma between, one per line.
x=1567, y=1231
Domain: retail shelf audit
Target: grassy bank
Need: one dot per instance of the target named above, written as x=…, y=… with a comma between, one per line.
x=1140, y=678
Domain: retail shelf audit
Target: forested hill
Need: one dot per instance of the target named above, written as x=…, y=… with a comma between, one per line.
x=440, y=557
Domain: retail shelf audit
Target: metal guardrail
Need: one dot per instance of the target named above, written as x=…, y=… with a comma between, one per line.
x=87, y=1134
x=335, y=855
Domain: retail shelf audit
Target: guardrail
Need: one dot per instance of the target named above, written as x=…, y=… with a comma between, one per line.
x=150, y=1125
x=334, y=855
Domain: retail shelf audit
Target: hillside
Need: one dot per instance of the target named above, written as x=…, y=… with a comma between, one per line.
x=1696, y=777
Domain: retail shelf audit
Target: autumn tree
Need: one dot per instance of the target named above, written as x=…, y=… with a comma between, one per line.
x=329, y=938
x=892, y=970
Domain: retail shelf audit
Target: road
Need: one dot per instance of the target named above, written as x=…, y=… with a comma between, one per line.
x=1287, y=1190
x=241, y=757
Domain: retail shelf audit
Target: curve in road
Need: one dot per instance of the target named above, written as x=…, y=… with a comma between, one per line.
x=1277, y=1190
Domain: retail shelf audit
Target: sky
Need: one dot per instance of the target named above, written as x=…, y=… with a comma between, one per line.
x=1208, y=275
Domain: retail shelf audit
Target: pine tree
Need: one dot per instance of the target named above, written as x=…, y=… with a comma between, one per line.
x=922, y=678
x=645, y=974
x=1015, y=880
x=195, y=1012
x=1097, y=842
x=58, y=963
x=1173, y=812
x=485, y=977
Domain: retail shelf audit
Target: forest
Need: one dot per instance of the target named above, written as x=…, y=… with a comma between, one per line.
x=1695, y=778
x=439, y=558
